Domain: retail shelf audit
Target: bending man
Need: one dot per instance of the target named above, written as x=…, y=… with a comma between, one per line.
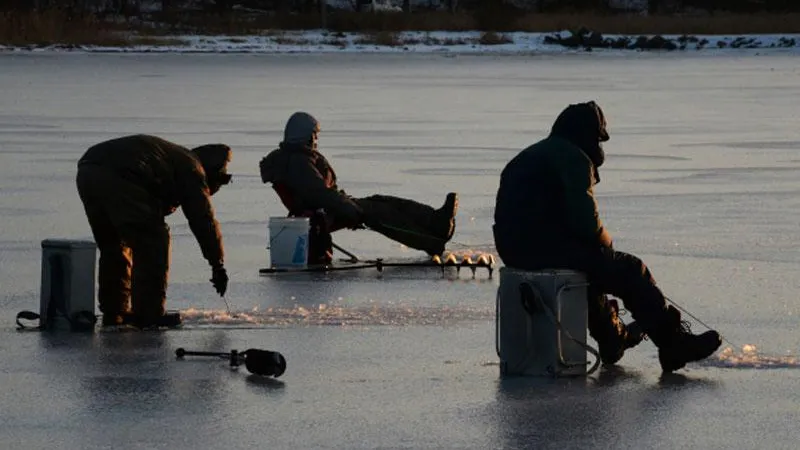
x=306, y=182
x=127, y=186
x=546, y=217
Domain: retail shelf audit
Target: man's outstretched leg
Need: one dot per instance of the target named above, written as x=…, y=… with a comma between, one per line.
x=627, y=277
x=411, y=223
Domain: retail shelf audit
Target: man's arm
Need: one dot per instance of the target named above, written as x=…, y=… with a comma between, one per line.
x=309, y=183
x=196, y=206
x=576, y=174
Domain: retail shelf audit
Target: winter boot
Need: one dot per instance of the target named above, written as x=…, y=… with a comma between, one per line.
x=445, y=217
x=612, y=335
x=320, y=242
x=168, y=320
x=111, y=320
x=116, y=317
x=678, y=346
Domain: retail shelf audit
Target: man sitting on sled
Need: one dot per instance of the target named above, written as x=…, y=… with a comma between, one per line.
x=306, y=184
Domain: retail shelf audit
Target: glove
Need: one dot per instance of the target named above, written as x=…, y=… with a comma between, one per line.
x=359, y=224
x=360, y=220
x=219, y=278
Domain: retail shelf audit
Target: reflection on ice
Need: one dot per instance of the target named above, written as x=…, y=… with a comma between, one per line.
x=336, y=316
x=750, y=358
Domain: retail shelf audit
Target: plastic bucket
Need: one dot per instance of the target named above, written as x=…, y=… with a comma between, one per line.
x=288, y=242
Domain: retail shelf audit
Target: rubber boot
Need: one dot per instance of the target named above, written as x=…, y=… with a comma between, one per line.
x=612, y=335
x=678, y=346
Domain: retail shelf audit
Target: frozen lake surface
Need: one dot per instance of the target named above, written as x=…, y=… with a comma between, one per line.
x=702, y=181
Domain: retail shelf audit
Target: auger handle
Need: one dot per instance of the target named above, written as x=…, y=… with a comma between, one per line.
x=181, y=352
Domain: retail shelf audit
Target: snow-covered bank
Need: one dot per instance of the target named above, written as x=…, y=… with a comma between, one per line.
x=317, y=41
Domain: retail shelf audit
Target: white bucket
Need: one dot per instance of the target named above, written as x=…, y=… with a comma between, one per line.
x=528, y=339
x=288, y=242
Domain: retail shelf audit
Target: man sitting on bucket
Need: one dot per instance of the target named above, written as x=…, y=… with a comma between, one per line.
x=127, y=186
x=306, y=184
x=546, y=217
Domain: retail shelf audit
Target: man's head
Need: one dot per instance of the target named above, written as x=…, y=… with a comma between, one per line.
x=301, y=129
x=214, y=158
x=584, y=124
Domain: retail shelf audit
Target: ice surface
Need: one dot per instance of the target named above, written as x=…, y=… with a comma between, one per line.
x=701, y=181
x=323, y=314
x=750, y=358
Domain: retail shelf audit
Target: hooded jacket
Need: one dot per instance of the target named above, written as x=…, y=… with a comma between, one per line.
x=545, y=202
x=173, y=176
x=300, y=169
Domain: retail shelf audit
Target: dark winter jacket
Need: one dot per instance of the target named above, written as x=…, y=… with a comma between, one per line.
x=545, y=204
x=311, y=182
x=173, y=176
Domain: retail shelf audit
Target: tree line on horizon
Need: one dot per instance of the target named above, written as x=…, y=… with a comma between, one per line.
x=134, y=7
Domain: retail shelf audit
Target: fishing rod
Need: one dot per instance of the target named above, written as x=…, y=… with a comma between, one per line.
x=353, y=258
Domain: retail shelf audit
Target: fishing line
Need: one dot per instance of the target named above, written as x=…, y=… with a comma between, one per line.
x=698, y=320
x=227, y=306
x=428, y=236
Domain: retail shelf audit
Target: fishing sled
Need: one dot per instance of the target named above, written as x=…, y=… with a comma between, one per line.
x=449, y=261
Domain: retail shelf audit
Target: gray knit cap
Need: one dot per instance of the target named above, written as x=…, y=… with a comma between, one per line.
x=300, y=129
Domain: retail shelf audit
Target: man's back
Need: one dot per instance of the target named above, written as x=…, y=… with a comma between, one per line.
x=160, y=167
x=544, y=204
x=306, y=181
x=297, y=167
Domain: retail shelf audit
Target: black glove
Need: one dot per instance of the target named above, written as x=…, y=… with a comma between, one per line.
x=219, y=278
x=359, y=225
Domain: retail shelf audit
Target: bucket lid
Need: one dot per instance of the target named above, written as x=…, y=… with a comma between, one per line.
x=289, y=220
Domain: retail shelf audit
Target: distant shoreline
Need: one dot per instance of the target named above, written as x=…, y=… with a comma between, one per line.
x=434, y=32
x=436, y=42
